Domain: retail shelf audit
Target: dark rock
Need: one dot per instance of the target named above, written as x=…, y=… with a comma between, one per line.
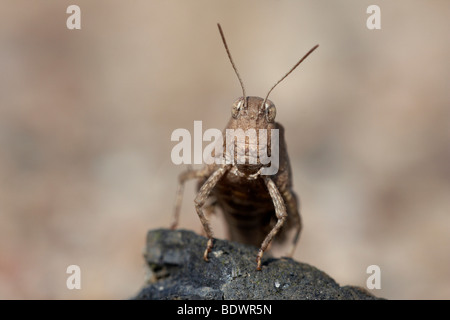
x=177, y=271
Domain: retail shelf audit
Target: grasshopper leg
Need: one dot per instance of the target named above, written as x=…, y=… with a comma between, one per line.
x=294, y=218
x=280, y=211
x=189, y=174
x=200, y=200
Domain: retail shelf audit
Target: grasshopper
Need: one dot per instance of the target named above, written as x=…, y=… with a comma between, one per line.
x=257, y=207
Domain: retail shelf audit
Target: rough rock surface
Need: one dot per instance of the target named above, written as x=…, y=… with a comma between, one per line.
x=177, y=271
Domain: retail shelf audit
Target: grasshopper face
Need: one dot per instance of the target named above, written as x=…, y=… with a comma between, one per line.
x=256, y=119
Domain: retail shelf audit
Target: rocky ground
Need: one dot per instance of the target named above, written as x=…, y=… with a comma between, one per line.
x=177, y=271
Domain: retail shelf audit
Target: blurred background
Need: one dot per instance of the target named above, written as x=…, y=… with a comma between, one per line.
x=86, y=117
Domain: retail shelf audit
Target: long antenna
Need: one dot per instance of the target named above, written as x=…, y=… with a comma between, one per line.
x=292, y=69
x=232, y=63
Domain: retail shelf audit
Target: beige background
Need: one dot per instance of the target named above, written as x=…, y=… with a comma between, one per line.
x=86, y=118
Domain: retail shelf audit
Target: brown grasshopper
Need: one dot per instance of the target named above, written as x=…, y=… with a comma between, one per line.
x=256, y=207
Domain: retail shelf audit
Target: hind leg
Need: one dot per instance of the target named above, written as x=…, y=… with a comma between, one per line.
x=182, y=178
x=294, y=218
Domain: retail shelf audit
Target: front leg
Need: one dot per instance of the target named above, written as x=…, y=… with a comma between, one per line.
x=200, y=200
x=182, y=178
x=280, y=211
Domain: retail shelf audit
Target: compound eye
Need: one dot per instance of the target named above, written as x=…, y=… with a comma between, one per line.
x=236, y=108
x=271, y=112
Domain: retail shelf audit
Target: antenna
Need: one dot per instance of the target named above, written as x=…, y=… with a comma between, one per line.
x=232, y=63
x=292, y=69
